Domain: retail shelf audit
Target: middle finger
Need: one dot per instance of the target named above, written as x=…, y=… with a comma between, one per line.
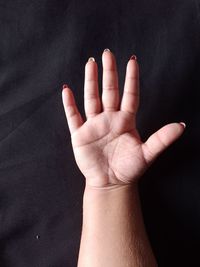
x=110, y=92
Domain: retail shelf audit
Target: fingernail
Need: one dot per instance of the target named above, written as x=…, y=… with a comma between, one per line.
x=133, y=57
x=107, y=49
x=182, y=123
x=91, y=59
x=65, y=86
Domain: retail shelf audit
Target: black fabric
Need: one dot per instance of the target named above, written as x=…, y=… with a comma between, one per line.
x=46, y=43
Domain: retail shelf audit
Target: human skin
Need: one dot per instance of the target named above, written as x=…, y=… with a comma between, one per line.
x=112, y=157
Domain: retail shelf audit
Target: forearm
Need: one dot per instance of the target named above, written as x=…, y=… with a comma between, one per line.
x=113, y=232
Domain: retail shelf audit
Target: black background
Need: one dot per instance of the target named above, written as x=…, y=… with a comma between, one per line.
x=46, y=43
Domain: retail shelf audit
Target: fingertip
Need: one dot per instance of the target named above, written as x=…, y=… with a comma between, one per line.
x=63, y=96
x=105, y=51
x=66, y=95
x=162, y=139
x=175, y=128
x=132, y=66
x=108, y=59
x=65, y=89
x=133, y=60
x=91, y=62
x=181, y=127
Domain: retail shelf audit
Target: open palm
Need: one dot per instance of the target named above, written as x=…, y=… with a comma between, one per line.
x=107, y=146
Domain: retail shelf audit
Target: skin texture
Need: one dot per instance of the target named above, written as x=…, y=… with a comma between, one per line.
x=112, y=157
x=107, y=146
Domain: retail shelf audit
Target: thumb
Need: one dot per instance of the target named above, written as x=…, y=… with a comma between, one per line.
x=161, y=140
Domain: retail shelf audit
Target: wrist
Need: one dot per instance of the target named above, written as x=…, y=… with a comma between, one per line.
x=113, y=225
x=110, y=189
x=109, y=194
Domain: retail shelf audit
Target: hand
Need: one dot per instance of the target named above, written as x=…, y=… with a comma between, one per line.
x=107, y=147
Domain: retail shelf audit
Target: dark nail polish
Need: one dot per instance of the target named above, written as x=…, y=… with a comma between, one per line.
x=65, y=86
x=133, y=57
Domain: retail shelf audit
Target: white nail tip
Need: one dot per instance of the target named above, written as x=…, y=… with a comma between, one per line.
x=182, y=123
x=91, y=59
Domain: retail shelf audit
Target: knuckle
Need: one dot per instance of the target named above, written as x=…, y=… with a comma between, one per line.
x=110, y=87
